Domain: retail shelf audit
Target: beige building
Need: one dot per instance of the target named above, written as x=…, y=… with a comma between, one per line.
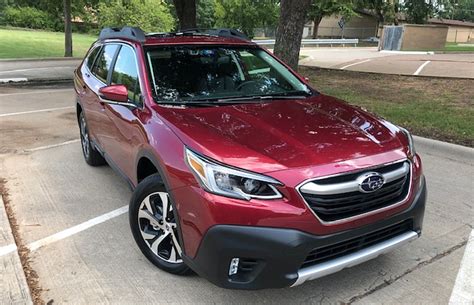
x=459, y=31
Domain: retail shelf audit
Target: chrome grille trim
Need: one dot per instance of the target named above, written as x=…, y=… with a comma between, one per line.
x=351, y=186
x=348, y=219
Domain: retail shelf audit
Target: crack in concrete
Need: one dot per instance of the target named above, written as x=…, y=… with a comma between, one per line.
x=396, y=278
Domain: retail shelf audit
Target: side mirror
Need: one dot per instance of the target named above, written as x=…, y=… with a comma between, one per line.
x=114, y=93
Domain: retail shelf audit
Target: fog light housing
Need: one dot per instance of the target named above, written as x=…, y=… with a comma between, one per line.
x=234, y=266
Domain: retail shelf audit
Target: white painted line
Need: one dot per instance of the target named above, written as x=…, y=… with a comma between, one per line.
x=37, y=92
x=357, y=63
x=52, y=145
x=463, y=291
x=34, y=69
x=421, y=67
x=7, y=249
x=35, y=111
x=76, y=229
x=13, y=80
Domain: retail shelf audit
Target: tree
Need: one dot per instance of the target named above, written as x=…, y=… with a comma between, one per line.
x=186, y=12
x=290, y=30
x=206, y=11
x=246, y=15
x=456, y=9
x=67, y=29
x=386, y=11
x=418, y=11
x=323, y=8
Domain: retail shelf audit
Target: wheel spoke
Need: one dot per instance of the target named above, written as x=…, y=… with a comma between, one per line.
x=158, y=241
x=151, y=218
x=147, y=204
x=176, y=243
x=146, y=235
x=172, y=255
x=166, y=205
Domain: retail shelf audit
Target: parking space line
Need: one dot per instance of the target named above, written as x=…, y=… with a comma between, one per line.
x=76, y=229
x=7, y=249
x=35, y=111
x=463, y=290
x=36, y=92
x=417, y=72
x=51, y=146
x=356, y=63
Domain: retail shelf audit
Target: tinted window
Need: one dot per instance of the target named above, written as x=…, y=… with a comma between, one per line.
x=91, y=57
x=103, y=62
x=185, y=73
x=125, y=72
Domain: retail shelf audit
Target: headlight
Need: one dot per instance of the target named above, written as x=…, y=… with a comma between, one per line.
x=231, y=182
x=411, y=145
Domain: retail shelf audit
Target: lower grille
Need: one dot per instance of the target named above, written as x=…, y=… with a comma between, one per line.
x=339, y=197
x=322, y=254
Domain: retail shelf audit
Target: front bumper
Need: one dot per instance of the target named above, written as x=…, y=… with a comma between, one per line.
x=273, y=257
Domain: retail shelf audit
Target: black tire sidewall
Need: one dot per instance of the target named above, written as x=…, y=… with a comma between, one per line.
x=149, y=185
x=94, y=158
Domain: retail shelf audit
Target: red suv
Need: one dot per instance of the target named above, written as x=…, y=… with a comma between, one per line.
x=241, y=171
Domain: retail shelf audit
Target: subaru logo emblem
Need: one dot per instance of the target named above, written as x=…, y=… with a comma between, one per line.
x=370, y=182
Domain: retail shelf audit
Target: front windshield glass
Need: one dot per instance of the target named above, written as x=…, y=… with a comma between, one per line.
x=188, y=73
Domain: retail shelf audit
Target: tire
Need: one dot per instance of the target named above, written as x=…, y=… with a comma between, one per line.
x=156, y=236
x=91, y=155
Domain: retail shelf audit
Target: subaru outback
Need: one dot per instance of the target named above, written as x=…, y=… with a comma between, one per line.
x=240, y=170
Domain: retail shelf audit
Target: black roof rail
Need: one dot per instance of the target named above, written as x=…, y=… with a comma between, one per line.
x=221, y=32
x=127, y=32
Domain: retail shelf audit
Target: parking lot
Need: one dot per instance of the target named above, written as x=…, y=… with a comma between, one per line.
x=73, y=219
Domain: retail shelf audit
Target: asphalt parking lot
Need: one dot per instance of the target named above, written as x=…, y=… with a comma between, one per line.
x=73, y=219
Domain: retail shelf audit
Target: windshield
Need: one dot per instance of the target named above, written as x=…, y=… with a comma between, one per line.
x=183, y=74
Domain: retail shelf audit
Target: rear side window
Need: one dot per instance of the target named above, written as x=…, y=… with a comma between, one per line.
x=91, y=57
x=125, y=73
x=104, y=61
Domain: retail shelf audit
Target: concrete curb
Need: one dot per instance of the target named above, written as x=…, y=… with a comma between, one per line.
x=40, y=59
x=443, y=149
x=14, y=288
x=40, y=82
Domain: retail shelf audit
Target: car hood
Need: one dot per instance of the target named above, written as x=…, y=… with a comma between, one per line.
x=282, y=134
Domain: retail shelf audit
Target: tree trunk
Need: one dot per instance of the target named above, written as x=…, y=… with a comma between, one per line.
x=316, y=22
x=290, y=30
x=67, y=29
x=186, y=12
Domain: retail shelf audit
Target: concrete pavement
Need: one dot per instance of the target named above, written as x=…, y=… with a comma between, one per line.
x=370, y=60
x=53, y=190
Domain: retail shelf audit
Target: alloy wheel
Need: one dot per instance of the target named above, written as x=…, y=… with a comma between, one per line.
x=158, y=227
x=84, y=137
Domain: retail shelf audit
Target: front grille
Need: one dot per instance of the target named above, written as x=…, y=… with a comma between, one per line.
x=322, y=254
x=339, y=205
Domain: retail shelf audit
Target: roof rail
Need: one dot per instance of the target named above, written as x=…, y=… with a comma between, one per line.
x=127, y=32
x=221, y=32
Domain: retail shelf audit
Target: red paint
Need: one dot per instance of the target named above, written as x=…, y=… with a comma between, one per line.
x=289, y=140
x=116, y=93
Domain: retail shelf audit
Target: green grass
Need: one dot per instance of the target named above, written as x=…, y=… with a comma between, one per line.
x=454, y=47
x=430, y=107
x=18, y=43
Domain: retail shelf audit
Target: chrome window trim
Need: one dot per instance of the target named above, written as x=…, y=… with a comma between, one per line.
x=355, y=217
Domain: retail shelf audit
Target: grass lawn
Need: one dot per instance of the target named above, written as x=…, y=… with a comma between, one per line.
x=454, y=47
x=17, y=43
x=435, y=108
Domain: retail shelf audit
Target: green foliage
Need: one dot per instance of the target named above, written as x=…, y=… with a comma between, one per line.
x=456, y=9
x=206, y=10
x=246, y=15
x=385, y=10
x=418, y=11
x=151, y=16
x=27, y=17
x=322, y=8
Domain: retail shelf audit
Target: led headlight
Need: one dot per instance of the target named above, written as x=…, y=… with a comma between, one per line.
x=227, y=181
x=411, y=145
